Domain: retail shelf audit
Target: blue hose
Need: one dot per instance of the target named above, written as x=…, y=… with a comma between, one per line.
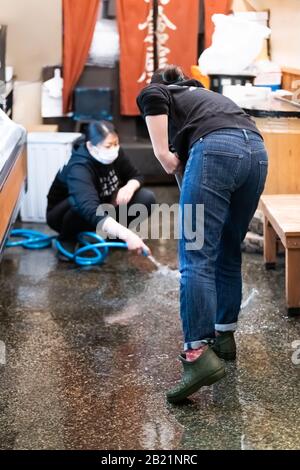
x=101, y=249
x=30, y=239
x=34, y=240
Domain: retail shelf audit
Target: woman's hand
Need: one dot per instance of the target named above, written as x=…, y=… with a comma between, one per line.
x=158, y=131
x=135, y=243
x=124, y=195
x=116, y=230
x=171, y=163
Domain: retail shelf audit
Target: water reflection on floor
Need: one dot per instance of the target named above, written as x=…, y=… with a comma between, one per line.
x=90, y=353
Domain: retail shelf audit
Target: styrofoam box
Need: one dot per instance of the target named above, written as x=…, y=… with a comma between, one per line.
x=47, y=153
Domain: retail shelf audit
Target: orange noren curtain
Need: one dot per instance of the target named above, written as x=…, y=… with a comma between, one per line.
x=177, y=30
x=80, y=18
x=212, y=7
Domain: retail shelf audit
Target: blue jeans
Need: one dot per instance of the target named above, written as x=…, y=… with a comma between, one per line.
x=226, y=173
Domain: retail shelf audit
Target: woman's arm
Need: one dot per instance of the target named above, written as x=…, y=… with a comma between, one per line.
x=158, y=131
x=126, y=170
x=133, y=185
x=131, y=178
x=126, y=193
x=116, y=230
x=83, y=194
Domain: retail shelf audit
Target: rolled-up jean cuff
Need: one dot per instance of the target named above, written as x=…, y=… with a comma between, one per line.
x=194, y=344
x=226, y=327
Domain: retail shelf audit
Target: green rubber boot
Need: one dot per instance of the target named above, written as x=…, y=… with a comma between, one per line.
x=205, y=370
x=224, y=346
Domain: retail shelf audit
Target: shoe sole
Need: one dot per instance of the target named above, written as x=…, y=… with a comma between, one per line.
x=211, y=379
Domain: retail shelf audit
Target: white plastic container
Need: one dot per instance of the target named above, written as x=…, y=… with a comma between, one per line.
x=268, y=74
x=247, y=95
x=47, y=152
x=52, y=96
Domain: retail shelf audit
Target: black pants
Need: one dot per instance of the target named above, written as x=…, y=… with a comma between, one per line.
x=65, y=220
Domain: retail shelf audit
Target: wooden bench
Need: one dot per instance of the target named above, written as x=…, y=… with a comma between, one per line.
x=282, y=219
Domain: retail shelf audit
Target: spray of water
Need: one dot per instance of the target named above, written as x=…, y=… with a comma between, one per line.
x=164, y=270
x=251, y=296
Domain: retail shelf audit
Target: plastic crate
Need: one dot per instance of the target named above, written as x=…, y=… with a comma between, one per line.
x=217, y=81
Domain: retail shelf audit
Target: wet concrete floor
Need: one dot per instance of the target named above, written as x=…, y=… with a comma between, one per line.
x=87, y=354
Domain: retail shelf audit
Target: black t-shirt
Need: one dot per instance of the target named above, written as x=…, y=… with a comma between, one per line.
x=193, y=112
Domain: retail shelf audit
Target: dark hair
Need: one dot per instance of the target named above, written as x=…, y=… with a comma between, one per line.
x=168, y=75
x=98, y=131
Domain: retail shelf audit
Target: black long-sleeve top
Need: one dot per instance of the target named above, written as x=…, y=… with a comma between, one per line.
x=88, y=183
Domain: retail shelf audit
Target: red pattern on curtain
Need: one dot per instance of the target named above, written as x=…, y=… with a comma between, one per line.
x=80, y=18
x=177, y=30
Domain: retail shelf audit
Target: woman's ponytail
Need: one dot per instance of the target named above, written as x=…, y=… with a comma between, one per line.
x=168, y=75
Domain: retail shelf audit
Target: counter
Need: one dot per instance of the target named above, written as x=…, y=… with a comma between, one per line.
x=13, y=172
x=279, y=123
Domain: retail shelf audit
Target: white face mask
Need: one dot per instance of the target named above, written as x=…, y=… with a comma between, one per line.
x=105, y=155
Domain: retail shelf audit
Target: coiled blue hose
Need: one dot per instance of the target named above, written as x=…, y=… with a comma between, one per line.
x=30, y=239
x=33, y=240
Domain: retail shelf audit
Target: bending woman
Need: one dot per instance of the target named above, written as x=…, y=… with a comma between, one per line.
x=225, y=170
x=98, y=173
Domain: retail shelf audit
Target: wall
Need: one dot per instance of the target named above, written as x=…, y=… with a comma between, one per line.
x=34, y=40
x=285, y=21
x=34, y=35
